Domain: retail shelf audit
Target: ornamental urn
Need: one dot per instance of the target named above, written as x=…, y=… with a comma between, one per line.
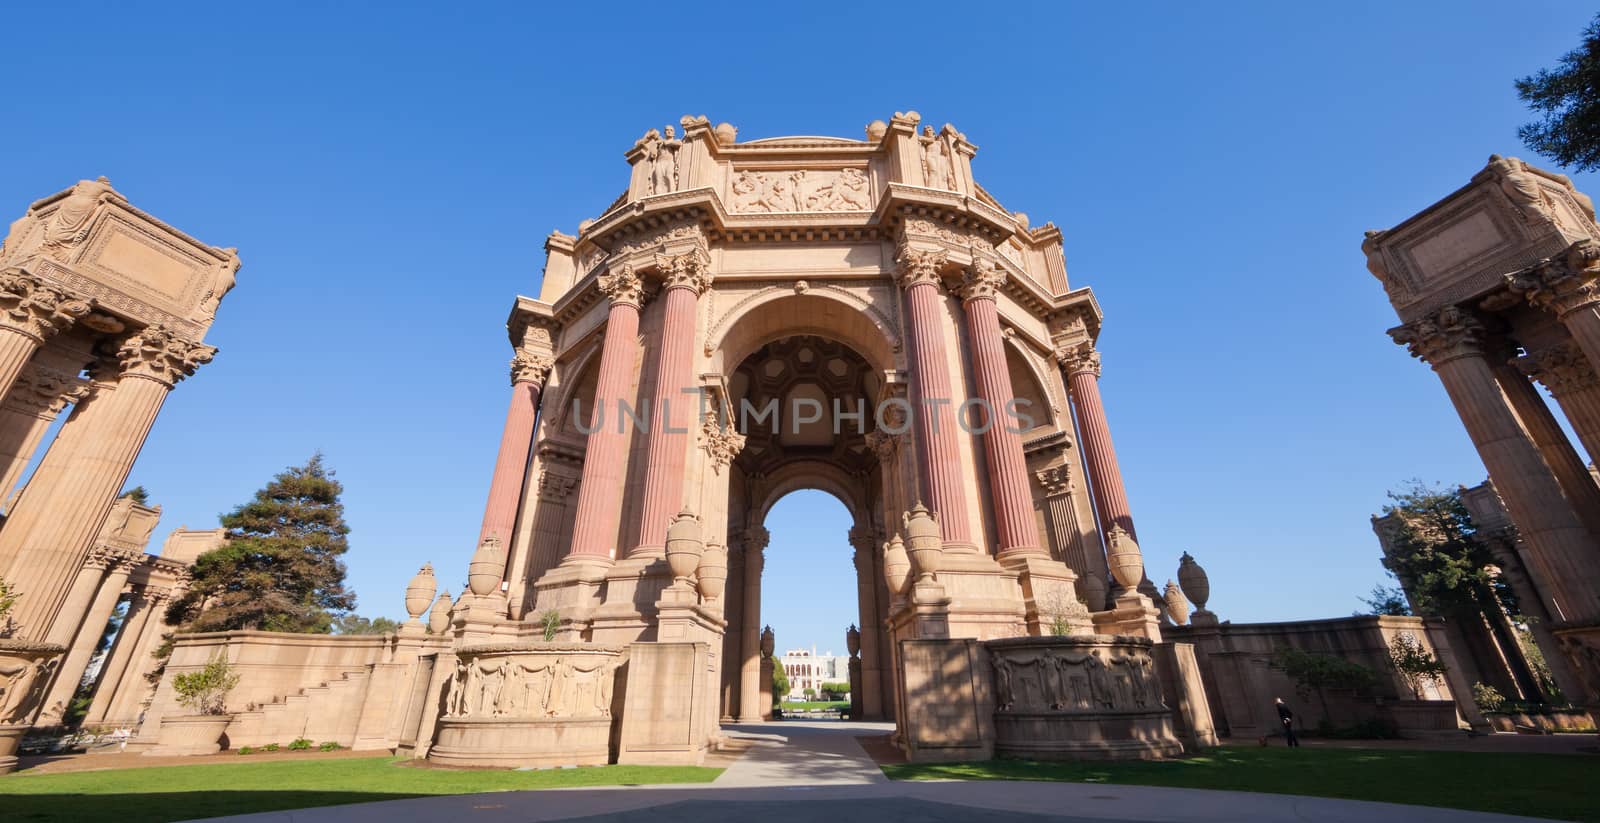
x=487, y=567
x=923, y=543
x=439, y=617
x=684, y=546
x=419, y=593
x=896, y=566
x=768, y=642
x=1093, y=589
x=852, y=640
x=712, y=572
x=1177, y=606
x=1196, y=586
x=1122, y=554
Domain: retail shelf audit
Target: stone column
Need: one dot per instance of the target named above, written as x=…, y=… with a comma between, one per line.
x=1560, y=550
x=120, y=660
x=1567, y=287
x=70, y=673
x=1571, y=381
x=1089, y=563
x=37, y=396
x=1002, y=443
x=1541, y=426
x=50, y=533
x=528, y=372
x=594, y=535
x=944, y=486
x=686, y=277
x=751, y=709
x=1082, y=365
x=127, y=704
x=863, y=540
x=31, y=311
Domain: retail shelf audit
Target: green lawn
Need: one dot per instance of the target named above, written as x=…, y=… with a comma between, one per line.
x=166, y=793
x=802, y=705
x=1539, y=785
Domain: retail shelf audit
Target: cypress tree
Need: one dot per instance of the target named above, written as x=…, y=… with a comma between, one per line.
x=280, y=568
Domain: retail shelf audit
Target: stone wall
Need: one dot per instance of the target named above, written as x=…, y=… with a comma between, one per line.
x=1241, y=683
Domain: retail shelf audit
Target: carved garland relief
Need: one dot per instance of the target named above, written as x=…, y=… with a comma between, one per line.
x=535, y=688
x=1087, y=682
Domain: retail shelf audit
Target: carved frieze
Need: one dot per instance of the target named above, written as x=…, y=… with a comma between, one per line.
x=533, y=686
x=799, y=190
x=1090, y=678
x=26, y=671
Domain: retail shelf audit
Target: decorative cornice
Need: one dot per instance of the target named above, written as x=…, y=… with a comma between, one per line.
x=691, y=270
x=1081, y=357
x=158, y=354
x=623, y=287
x=917, y=266
x=1561, y=368
x=981, y=281
x=527, y=367
x=33, y=307
x=1447, y=334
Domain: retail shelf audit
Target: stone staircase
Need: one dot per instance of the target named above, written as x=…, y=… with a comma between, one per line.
x=328, y=712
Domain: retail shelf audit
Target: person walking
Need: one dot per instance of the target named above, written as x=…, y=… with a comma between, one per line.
x=1286, y=717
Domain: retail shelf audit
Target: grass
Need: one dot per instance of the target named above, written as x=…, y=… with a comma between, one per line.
x=802, y=705
x=1540, y=785
x=165, y=793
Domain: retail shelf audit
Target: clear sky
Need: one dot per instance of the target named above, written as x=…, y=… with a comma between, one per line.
x=389, y=172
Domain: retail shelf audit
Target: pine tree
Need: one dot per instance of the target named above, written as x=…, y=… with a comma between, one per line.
x=1567, y=100
x=280, y=568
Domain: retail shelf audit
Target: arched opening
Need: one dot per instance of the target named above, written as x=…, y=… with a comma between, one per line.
x=804, y=603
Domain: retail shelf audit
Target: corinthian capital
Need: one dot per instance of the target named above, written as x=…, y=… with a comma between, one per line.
x=919, y=266
x=623, y=287
x=1564, y=283
x=157, y=353
x=981, y=281
x=722, y=443
x=41, y=390
x=1079, y=357
x=528, y=367
x=1561, y=368
x=1445, y=335
x=35, y=308
x=691, y=270
x=756, y=539
x=1056, y=480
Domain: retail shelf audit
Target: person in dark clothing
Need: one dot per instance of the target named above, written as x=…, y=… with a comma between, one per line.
x=1286, y=717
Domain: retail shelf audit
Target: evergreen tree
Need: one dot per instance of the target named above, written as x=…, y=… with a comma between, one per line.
x=280, y=568
x=1568, y=100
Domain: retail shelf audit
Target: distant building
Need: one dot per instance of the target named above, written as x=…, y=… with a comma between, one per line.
x=809, y=670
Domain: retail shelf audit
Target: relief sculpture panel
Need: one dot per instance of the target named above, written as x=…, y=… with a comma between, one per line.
x=799, y=190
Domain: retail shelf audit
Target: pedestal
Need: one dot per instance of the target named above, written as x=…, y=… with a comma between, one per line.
x=1131, y=614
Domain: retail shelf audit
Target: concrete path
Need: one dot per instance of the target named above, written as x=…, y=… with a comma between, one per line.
x=817, y=771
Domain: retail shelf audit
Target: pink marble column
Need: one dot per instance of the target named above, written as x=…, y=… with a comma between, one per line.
x=31, y=310
x=594, y=534
x=1002, y=444
x=1082, y=365
x=511, y=464
x=938, y=451
x=54, y=526
x=686, y=277
x=1560, y=552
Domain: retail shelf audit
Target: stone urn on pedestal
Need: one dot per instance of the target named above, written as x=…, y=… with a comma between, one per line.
x=419, y=596
x=486, y=568
x=26, y=670
x=896, y=567
x=684, y=550
x=1177, y=606
x=205, y=692
x=925, y=545
x=712, y=573
x=1197, y=587
x=439, y=615
x=1125, y=560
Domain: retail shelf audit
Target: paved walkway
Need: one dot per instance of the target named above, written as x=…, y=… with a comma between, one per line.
x=818, y=771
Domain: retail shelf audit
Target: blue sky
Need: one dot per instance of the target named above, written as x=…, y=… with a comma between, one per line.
x=389, y=173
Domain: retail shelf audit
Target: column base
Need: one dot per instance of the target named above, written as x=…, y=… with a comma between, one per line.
x=1131, y=614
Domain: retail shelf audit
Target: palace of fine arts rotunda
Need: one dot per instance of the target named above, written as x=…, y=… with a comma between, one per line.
x=747, y=319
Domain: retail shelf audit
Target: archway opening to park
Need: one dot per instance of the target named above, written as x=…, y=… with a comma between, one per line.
x=804, y=498
x=808, y=601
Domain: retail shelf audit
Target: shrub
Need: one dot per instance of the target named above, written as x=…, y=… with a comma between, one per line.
x=1488, y=698
x=271, y=747
x=329, y=746
x=550, y=621
x=247, y=750
x=1415, y=664
x=1313, y=672
x=206, y=690
x=300, y=744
